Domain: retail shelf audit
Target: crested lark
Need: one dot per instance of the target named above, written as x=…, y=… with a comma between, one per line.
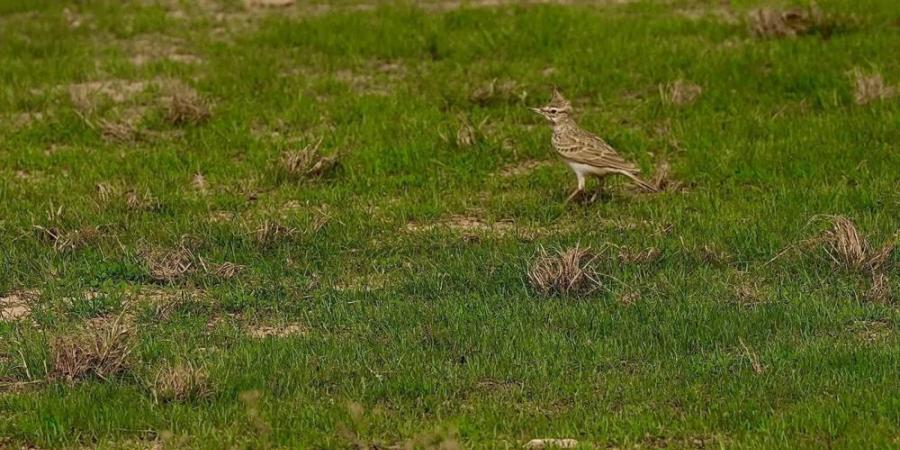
x=585, y=153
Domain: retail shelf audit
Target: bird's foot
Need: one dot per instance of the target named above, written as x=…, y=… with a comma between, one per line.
x=575, y=194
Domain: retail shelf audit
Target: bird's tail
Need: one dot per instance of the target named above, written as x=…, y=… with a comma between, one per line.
x=643, y=184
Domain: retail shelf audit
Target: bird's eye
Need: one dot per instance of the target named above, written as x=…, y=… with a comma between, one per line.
x=553, y=110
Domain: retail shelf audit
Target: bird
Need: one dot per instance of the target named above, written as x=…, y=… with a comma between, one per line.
x=584, y=152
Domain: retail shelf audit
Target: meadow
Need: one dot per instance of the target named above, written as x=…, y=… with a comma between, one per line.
x=326, y=224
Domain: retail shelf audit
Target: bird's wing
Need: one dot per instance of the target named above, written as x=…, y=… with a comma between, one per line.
x=585, y=148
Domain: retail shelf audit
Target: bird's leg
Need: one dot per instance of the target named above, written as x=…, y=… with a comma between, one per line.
x=601, y=181
x=580, y=187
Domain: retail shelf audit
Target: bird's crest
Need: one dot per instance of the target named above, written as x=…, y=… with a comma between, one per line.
x=558, y=101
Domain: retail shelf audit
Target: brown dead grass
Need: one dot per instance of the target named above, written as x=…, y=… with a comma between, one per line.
x=646, y=256
x=187, y=107
x=199, y=183
x=471, y=227
x=880, y=289
x=365, y=283
x=629, y=297
x=849, y=250
x=550, y=443
x=141, y=201
x=751, y=356
x=227, y=270
x=271, y=232
x=285, y=330
x=663, y=180
x=522, y=168
x=680, y=92
x=16, y=305
x=870, y=87
x=102, y=352
x=307, y=163
x=497, y=91
x=181, y=383
x=64, y=240
x=268, y=3
x=168, y=265
x=151, y=48
x=871, y=331
x=789, y=23
x=567, y=273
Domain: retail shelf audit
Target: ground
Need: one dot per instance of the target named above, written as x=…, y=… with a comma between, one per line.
x=282, y=224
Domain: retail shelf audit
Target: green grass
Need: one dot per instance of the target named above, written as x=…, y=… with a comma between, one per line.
x=434, y=332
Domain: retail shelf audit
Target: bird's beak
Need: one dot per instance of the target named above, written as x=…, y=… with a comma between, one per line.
x=537, y=110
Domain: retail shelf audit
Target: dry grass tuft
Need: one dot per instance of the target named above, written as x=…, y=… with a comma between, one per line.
x=498, y=92
x=788, y=23
x=680, y=92
x=180, y=383
x=568, y=273
x=755, y=364
x=880, y=289
x=662, y=178
x=228, y=270
x=67, y=240
x=629, y=297
x=868, y=88
x=118, y=131
x=102, y=352
x=165, y=265
x=268, y=3
x=265, y=331
x=270, y=232
x=141, y=201
x=199, y=183
x=522, y=168
x=541, y=444
x=307, y=163
x=849, y=250
x=646, y=256
x=466, y=135
x=186, y=107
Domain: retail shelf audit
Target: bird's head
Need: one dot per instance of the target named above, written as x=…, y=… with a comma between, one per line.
x=557, y=110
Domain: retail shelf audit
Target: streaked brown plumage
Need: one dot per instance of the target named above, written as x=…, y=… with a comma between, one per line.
x=584, y=152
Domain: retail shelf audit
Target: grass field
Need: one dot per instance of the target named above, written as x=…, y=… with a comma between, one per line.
x=311, y=226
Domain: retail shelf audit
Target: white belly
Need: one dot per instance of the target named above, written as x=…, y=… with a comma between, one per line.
x=583, y=170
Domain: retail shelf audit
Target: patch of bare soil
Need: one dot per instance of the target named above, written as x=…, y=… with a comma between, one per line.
x=151, y=48
x=464, y=224
x=24, y=120
x=376, y=77
x=550, y=443
x=871, y=330
x=268, y=3
x=16, y=305
x=721, y=12
x=116, y=107
x=790, y=23
x=285, y=330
